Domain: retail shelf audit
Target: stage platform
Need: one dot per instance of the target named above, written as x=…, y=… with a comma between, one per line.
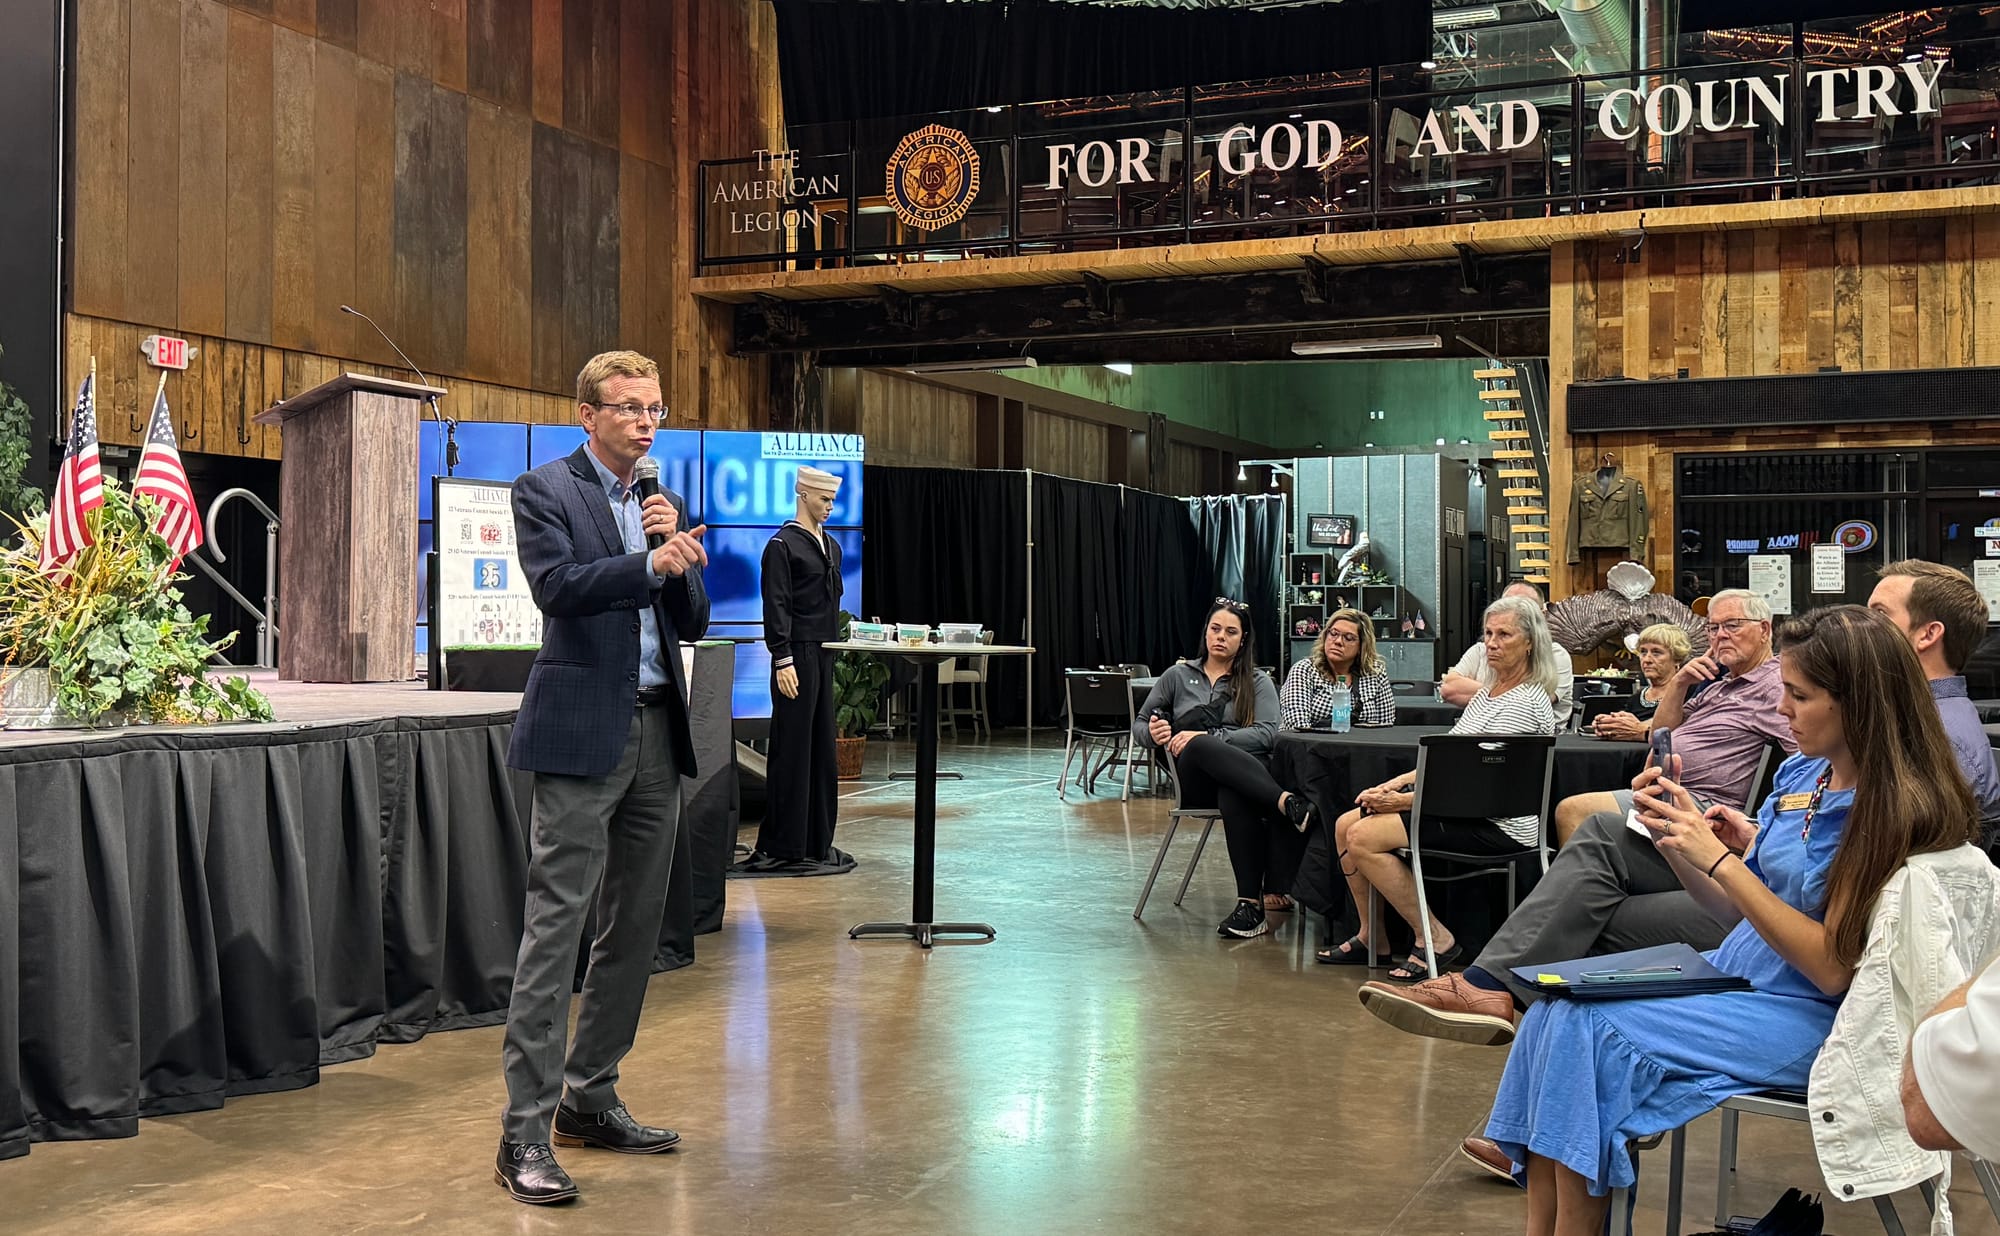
x=307, y=703
x=190, y=913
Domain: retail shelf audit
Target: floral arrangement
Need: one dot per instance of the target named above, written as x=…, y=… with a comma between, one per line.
x=112, y=630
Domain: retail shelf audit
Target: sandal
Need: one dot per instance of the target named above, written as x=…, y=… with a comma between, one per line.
x=1352, y=952
x=1277, y=903
x=1413, y=969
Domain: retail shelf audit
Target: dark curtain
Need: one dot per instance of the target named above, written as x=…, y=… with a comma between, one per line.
x=950, y=545
x=1244, y=539
x=1082, y=582
x=842, y=60
x=1159, y=542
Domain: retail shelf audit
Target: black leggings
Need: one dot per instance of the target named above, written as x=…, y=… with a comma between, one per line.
x=1264, y=848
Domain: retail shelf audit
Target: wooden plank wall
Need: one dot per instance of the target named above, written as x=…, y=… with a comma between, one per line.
x=913, y=424
x=1068, y=446
x=1903, y=294
x=505, y=185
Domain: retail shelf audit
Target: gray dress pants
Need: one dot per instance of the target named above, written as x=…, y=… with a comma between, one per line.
x=597, y=842
x=1607, y=890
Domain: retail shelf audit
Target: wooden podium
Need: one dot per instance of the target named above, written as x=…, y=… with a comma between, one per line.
x=347, y=548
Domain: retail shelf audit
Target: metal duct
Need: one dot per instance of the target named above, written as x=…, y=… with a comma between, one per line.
x=1601, y=30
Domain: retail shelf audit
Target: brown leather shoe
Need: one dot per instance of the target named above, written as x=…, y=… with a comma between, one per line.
x=1446, y=1007
x=1488, y=1157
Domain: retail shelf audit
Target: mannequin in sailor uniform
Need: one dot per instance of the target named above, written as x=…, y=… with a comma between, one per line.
x=802, y=611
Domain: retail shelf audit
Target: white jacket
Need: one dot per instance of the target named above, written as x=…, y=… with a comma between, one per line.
x=1935, y=921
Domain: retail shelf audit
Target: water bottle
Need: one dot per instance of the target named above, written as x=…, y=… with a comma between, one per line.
x=1341, y=719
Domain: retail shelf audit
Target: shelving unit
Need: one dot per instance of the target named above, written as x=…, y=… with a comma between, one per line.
x=1385, y=604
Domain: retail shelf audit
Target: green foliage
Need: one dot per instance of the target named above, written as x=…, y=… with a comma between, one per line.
x=858, y=679
x=17, y=441
x=112, y=629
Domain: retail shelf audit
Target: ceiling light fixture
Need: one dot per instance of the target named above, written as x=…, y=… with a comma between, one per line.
x=1241, y=475
x=1351, y=347
x=974, y=366
x=996, y=109
x=1427, y=64
x=1120, y=367
x=1454, y=19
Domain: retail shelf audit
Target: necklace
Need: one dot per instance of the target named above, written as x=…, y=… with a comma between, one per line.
x=1812, y=804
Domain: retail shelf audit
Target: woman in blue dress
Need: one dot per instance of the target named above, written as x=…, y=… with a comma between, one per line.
x=1874, y=782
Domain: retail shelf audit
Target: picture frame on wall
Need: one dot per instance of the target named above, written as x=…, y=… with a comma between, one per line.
x=1331, y=531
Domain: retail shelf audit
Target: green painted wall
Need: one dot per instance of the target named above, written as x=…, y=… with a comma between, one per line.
x=1293, y=404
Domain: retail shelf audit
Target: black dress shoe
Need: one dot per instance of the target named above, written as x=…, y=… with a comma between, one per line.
x=529, y=1172
x=612, y=1129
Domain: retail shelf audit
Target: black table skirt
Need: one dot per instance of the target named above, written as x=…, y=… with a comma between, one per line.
x=1330, y=769
x=191, y=916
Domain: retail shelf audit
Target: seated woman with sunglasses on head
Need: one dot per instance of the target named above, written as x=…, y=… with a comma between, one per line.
x=1215, y=718
x=1516, y=687
x=1343, y=656
x=1874, y=783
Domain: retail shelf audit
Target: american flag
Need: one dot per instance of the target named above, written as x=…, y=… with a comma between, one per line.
x=162, y=476
x=79, y=486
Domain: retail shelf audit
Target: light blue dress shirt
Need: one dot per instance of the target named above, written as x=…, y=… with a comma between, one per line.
x=625, y=510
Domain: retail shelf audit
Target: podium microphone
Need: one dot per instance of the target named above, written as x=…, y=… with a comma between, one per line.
x=445, y=423
x=646, y=483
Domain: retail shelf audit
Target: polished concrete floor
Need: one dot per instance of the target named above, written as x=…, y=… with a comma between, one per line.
x=1082, y=1073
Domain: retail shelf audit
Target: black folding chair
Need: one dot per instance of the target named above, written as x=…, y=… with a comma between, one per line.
x=1474, y=776
x=1098, y=705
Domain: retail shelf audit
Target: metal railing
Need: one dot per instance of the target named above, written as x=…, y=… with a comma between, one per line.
x=267, y=615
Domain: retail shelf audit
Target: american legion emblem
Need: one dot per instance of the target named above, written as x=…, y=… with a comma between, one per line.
x=933, y=177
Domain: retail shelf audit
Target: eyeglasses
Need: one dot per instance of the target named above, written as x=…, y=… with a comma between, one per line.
x=1334, y=635
x=1231, y=604
x=632, y=411
x=1729, y=626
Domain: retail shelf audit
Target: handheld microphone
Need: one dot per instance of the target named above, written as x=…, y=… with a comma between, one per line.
x=444, y=422
x=646, y=483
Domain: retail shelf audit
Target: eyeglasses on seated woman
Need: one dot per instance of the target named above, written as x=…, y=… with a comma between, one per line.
x=1343, y=656
x=1662, y=649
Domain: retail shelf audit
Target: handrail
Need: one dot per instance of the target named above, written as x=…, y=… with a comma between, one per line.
x=267, y=617
x=220, y=499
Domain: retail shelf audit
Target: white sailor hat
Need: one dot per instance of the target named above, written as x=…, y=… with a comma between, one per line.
x=815, y=478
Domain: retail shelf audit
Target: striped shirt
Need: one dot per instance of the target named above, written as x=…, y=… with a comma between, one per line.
x=1523, y=710
x=1307, y=700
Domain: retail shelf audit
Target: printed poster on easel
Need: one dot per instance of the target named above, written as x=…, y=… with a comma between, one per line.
x=483, y=599
x=1771, y=578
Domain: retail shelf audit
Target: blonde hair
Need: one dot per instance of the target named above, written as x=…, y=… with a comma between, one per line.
x=1366, y=659
x=604, y=366
x=1669, y=637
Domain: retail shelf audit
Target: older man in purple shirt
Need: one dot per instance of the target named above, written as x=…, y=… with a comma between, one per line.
x=1723, y=710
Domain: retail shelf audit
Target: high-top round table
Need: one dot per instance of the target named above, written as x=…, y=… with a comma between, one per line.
x=927, y=657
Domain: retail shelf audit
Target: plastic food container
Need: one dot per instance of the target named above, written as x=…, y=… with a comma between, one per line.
x=912, y=636
x=959, y=632
x=868, y=632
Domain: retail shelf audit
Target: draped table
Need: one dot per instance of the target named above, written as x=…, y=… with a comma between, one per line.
x=1330, y=769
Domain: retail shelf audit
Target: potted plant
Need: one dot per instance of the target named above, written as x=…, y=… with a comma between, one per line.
x=108, y=639
x=858, y=678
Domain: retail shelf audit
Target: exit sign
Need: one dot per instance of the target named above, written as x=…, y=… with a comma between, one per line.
x=166, y=352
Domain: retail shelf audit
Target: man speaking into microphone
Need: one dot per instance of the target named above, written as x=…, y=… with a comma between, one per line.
x=603, y=727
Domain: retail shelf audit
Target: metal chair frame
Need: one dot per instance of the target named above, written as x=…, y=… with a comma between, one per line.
x=1462, y=788
x=1207, y=815
x=1783, y=1105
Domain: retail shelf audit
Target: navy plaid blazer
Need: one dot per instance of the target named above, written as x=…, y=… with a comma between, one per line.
x=577, y=712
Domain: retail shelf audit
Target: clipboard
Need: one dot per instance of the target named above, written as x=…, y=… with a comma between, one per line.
x=1646, y=973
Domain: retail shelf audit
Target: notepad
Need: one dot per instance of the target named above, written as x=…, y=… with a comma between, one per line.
x=1666, y=970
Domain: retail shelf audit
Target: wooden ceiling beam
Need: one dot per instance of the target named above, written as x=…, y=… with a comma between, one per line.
x=1302, y=297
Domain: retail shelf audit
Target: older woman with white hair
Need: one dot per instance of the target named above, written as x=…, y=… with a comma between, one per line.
x=1513, y=698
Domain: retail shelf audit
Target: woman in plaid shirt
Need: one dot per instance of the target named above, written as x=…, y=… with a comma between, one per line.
x=1343, y=656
